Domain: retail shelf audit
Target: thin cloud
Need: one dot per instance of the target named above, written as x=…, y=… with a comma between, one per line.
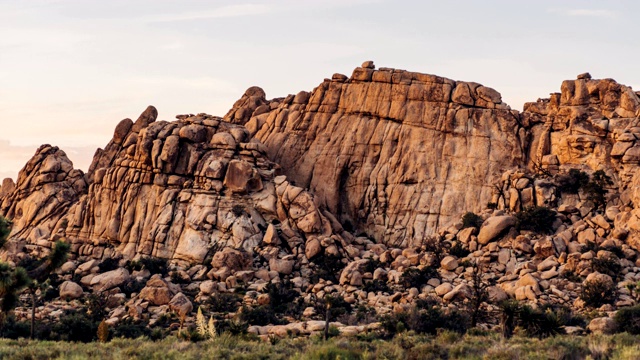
x=221, y=12
x=600, y=13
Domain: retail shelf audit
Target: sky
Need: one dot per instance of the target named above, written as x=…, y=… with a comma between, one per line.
x=70, y=70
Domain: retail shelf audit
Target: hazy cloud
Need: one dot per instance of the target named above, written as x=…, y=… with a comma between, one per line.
x=221, y=12
x=601, y=13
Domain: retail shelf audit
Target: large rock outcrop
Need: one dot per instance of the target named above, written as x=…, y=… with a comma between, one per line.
x=590, y=123
x=182, y=190
x=395, y=154
x=38, y=202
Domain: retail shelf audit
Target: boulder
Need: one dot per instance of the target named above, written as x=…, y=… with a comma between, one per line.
x=70, y=290
x=181, y=305
x=109, y=279
x=602, y=325
x=494, y=226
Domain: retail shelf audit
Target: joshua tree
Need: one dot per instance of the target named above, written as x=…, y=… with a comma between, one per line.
x=12, y=280
x=39, y=275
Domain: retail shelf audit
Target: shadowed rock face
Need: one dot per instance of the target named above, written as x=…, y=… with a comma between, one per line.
x=395, y=154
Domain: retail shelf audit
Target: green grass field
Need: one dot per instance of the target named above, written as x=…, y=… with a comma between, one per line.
x=405, y=346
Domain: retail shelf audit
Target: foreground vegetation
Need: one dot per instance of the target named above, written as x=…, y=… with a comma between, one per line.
x=446, y=345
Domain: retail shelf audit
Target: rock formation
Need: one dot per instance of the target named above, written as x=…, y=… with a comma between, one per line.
x=395, y=154
x=357, y=177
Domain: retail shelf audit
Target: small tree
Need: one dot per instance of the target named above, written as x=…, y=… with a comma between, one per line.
x=470, y=219
x=12, y=280
x=332, y=307
x=596, y=190
x=40, y=274
x=479, y=295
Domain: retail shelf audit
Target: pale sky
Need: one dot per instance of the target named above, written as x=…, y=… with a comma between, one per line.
x=70, y=70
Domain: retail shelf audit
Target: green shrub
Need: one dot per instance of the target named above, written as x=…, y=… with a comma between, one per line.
x=259, y=315
x=372, y=265
x=76, y=326
x=130, y=329
x=425, y=317
x=572, y=182
x=608, y=264
x=132, y=285
x=108, y=264
x=596, y=190
x=282, y=299
x=223, y=303
x=12, y=329
x=414, y=277
x=328, y=267
x=596, y=293
x=539, y=323
x=5, y=230
x=471, y=220
x=232, y=327
x=376, y=285
x=628, y=319
x=154, y=265
x=458, y=250
x=539, y=219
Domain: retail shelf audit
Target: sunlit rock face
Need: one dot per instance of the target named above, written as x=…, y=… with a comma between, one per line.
x=392, y=153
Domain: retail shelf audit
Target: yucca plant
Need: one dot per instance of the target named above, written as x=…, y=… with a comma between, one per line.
x=205, y=329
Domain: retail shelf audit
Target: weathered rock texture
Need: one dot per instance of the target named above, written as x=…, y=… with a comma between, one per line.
x=396, y=154
x=589, y=123
x=178, y=189
x=46, y=187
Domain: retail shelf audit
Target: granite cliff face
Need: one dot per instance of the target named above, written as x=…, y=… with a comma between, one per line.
x=336, y=191
x=393, y=154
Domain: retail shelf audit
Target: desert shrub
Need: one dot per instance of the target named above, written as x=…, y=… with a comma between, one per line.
x=13, y=329
x=259, y=315
x=458, y=250
x=154, y=265
x=414, y=277
x=425, y=317
x=223, y=303
x=75, y=326
x=571, y=276
x=609, y=264
x=596, y=190
x=539, y=323
x=5, y=230
x=596, y=293
x=372, y=265
x=471, y=219
x=572, y=182
x=337, y=306
x=628, y=319
x=539, y=219
x=51, y=293
x=132, y=286
x=108, y=264
x=232, y=327
x=238, y=210
x=376, y=285
x=96, y=306
x=329, y=267
x=130, y=329
x=566, y=316
x=437, y=246
x=283, y=299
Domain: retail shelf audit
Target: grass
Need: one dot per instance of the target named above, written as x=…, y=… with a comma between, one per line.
x=405, y=346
